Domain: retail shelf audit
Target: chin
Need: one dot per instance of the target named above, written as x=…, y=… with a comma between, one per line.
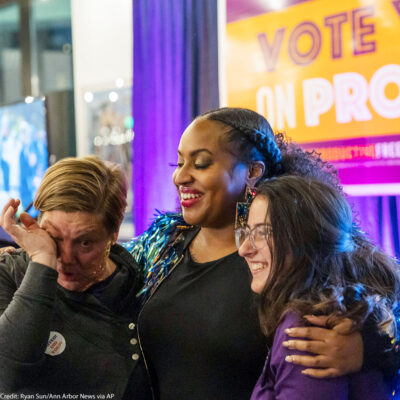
x=191, y=218
x=257, y=286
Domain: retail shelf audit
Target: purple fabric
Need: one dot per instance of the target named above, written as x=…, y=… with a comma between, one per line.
x=281, y=380
x=175, y=79
x=379, y=217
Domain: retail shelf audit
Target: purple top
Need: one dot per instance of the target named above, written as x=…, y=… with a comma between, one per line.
x=281, y=380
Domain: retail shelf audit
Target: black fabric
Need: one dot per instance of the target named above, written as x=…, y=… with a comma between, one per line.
x=381, y=352
x=200, y=332
x=98, y=288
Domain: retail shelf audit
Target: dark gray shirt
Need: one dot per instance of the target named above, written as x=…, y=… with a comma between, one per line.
x=55, y=341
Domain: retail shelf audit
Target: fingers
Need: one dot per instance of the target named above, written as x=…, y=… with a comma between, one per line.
x=14, y=204
x=317, y=320
x=16, y=231
x=8, y=221
x=308, y=361
x=8, y=249
x=339, y=352
x=309, y=332
x=320, y=365
x=344, y=327
x=316, y=347
x=321, y=373
x=28, y=221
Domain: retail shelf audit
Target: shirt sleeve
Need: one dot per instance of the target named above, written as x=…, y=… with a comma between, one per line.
x=26, y=313
x=289, y=382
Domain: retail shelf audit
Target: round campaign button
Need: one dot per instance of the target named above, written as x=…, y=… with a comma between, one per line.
x=56, y=344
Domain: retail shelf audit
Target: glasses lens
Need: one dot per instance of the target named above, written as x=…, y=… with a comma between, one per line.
x=260, y=237
x=240, y=236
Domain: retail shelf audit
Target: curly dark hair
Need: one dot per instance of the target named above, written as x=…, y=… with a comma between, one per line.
x=322, y=264
x=250, y=138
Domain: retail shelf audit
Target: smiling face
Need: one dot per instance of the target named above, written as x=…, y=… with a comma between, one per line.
x=209, y=179
x=258, y=260
x=82, y=243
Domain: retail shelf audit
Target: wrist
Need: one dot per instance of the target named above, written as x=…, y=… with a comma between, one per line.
x=50, y=260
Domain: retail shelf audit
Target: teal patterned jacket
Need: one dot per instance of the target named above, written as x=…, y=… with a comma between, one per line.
x=155, y=250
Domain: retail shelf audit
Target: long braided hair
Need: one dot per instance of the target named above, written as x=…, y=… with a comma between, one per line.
x=250, y=138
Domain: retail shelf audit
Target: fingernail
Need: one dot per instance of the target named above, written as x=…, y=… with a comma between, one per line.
x=289, y=359
x=288, y=330
x=285, y=344
x=304, y=372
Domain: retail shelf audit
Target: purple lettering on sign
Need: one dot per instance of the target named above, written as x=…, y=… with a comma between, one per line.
x=396, y=5
x=271, y=51
x=334, y=23
x=362, y=29
x=312, y=30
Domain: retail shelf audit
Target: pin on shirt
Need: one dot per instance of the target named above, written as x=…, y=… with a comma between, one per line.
x=56, y=344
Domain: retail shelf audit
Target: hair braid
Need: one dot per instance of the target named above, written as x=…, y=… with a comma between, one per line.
x=251, y=137
x=265, y=143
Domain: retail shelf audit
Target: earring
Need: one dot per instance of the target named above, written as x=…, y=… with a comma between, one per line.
x=108, y=249
x=99, y=272
x=242, y=207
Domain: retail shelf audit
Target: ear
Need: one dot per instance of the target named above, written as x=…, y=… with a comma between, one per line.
x=114, y=238
x=255, y=172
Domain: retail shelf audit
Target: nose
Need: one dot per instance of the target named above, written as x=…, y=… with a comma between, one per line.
x=65, y=252
x=182, y=175
x=246, y=249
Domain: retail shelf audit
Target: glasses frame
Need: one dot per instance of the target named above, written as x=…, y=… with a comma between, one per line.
x=249, y=235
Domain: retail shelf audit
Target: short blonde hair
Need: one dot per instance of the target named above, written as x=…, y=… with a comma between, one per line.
x=84, y=184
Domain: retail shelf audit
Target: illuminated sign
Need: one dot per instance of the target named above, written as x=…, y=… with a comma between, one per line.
x=328, y=74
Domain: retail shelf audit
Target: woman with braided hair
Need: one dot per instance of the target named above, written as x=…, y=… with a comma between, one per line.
x=198, y=328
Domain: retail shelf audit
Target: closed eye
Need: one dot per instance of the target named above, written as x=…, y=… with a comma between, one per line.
x=201, y=166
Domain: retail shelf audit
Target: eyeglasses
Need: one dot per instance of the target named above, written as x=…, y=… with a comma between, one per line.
x=258, y=236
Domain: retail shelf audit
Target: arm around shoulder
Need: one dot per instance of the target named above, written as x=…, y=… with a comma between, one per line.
x=289, y=382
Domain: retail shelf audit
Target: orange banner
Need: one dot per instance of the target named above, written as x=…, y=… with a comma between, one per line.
x=320, y=70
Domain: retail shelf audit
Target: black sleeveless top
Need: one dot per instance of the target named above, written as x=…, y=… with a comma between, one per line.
x=200, y=332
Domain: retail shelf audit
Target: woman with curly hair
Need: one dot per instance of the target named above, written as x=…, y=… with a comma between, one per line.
x=307, y=257
x=198, y=329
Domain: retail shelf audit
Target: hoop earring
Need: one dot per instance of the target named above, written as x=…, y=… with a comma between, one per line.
x=99, y=272
x=242, y=207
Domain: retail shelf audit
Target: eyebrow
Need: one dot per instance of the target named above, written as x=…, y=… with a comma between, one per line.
x=86, y=232
x=195, y=152
x=259, y=224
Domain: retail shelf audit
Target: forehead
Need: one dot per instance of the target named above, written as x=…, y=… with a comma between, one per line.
x=72, y=223
x=202, y=134
x=258, y=211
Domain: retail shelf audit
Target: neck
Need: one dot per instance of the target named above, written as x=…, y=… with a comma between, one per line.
x=211, y=243
x=109, y=268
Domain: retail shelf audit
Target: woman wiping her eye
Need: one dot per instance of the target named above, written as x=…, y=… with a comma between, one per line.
x=307, y=257
x=68, y=296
